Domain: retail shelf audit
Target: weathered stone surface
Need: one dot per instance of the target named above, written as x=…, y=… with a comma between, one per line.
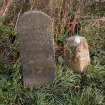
x=35, y=31
x=76, y=53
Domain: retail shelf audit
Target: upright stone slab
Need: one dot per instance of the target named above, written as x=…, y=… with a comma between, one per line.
x=35, y=31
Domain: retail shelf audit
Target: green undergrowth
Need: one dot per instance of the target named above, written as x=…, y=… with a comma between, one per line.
x=68, y=88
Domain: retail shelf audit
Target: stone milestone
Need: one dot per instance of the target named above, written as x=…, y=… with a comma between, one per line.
x=35, y=30
x=76, y=53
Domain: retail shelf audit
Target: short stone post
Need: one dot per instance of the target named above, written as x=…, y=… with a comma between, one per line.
x=76, y=53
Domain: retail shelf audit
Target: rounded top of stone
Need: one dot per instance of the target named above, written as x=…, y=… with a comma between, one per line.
x=35, y=12
x=32, y=17
x=74, y=40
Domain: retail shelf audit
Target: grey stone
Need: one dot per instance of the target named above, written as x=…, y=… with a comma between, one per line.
x=36, y=39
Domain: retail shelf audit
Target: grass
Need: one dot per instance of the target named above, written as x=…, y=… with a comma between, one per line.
x=68, y=89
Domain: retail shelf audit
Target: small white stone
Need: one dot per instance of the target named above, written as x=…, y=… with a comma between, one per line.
x=77, y=39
